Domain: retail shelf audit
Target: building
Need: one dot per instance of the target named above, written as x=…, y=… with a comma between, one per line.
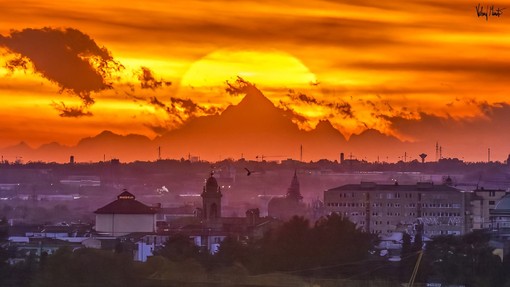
x=211, y=199
x=125, y=215
x=500, y=216
x=482, y=202
x=386, y=208
x=142, y=229
x=290, y=205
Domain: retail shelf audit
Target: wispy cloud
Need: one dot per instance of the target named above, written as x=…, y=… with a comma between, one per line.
x=149, y=81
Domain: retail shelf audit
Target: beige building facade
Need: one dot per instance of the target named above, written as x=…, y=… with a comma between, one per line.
x=125, y=215
x=386, y=208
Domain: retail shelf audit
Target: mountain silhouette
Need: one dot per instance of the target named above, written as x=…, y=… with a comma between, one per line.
x=253, y=128
x=108, y=145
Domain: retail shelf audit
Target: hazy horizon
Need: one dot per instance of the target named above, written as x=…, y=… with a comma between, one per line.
x=380, y=81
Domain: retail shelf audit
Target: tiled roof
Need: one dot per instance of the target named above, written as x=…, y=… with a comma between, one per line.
x=126, y=204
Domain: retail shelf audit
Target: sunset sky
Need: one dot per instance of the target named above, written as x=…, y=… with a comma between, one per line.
x=422, y=71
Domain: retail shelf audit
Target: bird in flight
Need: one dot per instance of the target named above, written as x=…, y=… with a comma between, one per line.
x=248, y=172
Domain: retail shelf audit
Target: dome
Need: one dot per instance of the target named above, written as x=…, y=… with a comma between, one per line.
x=211, y=184
x=504, y=203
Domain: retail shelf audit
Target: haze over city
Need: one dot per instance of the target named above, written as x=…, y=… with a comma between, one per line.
x=254, y=143
x=376, y=81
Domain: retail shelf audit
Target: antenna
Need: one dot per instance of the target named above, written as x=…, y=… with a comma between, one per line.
x=159, y=152
x=437, y=150
x=489, y=155
x=301, y=153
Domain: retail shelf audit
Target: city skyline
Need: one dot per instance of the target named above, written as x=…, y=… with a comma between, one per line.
x=416, y=72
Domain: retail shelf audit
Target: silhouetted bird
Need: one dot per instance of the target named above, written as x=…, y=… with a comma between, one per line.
x=249, y=172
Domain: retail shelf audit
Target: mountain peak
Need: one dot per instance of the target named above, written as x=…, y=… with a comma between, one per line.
x=254, y=99
x=324, y=125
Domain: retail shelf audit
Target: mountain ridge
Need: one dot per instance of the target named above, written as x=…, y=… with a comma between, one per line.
x=254, y=127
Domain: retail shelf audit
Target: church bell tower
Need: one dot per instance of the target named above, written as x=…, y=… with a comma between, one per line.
x=211, y=199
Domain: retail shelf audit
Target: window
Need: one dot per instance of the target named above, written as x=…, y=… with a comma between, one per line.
x=492, y=202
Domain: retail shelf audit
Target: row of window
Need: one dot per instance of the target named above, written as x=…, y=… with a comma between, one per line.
x=377, y=195
x=442, y=214
x=390, y=204
x=429, y=233
x=441, y=205
x=392, y=213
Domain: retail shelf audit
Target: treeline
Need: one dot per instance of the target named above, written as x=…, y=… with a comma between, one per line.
x=331, y=252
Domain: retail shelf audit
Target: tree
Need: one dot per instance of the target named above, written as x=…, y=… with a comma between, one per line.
x=232, y=251
x=406, y=258
x=87, y=267
x=339, y=241
x=464, y=260
x=179, y=248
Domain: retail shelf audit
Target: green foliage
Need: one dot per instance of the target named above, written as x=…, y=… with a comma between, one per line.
x=86, y=267
x=337, y=240
x=162, y=269
x=298, y=247
x=179, y=248
x=465, y=260
x=18, y=275
x=231, y=251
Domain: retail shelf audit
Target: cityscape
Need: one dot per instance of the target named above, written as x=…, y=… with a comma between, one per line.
x=254, y=143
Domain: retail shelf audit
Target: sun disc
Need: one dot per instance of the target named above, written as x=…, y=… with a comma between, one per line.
x=271, y=69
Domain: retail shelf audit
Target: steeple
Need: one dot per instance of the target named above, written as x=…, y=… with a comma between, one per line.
x=293, y=191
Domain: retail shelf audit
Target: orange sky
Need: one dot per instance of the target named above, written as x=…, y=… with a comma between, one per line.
x=400, y=67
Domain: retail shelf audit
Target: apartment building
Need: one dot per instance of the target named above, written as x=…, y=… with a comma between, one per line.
x=386, y=208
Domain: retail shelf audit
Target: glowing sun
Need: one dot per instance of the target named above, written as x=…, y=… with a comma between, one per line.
x=269, y=69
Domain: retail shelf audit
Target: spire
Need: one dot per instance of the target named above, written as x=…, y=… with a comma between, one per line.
x=293, y=191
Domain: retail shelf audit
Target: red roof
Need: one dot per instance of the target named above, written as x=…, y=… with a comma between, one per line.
x=126, y=204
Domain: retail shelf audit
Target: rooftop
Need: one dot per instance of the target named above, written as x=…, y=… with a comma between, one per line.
x=126, y=203
x=428, y=186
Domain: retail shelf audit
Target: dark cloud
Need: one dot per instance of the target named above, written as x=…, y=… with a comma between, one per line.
x=291, y=114
x=71, y=112
x=155, y=102
x=148, y=81
x=189, y=107
x=238, y=87
x=341, y=107
x=66, y=57
x=17, y=63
